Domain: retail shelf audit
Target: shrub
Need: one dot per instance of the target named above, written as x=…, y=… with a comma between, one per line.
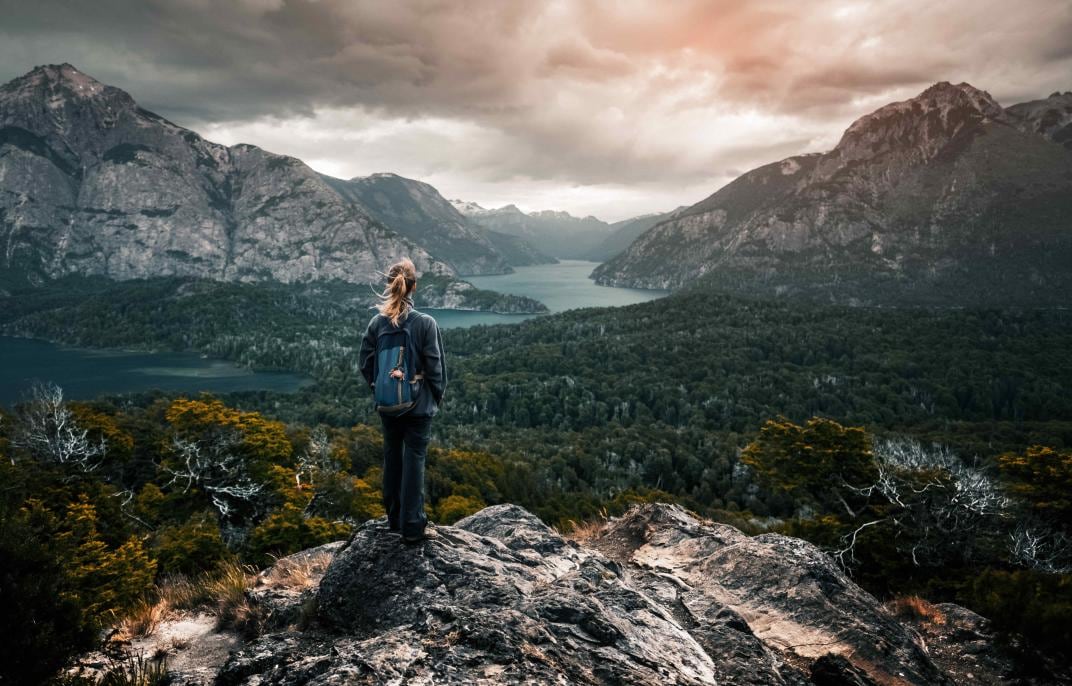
x=191, y=547
x=1035, y=604
x=288, y=530
x=105, y=582
x=43, y=623
x=454, y=507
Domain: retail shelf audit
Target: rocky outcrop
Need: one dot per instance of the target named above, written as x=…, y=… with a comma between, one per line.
x=787, y=598
x=417, y=211
x=656, y=597
x=945, y=198
x=91, y=183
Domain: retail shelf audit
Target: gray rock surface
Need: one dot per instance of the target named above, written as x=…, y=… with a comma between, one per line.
x=792, y=599
x=90, y=183
x=657, y=597
x=943, y=198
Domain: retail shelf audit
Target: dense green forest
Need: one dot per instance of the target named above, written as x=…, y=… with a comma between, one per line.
x=825, y=422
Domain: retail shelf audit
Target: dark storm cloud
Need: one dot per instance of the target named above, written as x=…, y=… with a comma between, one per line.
x=659, y=95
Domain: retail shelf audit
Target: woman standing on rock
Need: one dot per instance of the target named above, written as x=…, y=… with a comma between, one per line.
x=402, y=360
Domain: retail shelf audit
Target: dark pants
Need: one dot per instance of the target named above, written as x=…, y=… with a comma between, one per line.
x=405, y=445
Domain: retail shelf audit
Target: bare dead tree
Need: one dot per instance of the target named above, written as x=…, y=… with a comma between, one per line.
x=1041, y=547
x=928, y=493
x=47, y=430
x=316, y=460
x=216, y=466
x=970, y=489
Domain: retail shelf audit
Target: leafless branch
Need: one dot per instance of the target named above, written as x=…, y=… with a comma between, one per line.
x=47, y=430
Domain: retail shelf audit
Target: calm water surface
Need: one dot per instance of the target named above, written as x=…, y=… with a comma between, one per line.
x=85, y=373
x=561, y=287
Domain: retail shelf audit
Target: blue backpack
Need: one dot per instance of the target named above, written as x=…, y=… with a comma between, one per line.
x=395, y=350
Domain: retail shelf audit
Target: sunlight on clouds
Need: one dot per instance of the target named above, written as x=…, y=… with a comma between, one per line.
x=584, y=106
x=706, y=145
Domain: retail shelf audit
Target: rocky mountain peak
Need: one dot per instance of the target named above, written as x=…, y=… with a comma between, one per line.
x=467, y=207
x=921, y=126
x=60, y=87
x=57, y=76
x=944, y=92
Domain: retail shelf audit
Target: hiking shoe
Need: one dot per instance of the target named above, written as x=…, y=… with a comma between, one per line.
x=428, y=535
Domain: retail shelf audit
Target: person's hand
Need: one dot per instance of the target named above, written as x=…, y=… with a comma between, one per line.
x=397, y=374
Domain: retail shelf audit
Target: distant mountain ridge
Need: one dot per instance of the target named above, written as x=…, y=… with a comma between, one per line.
x=625, y=232
x=555, y=233
x=1050, y=117
x=91, y=183
x=417, y=211
x=946, y=198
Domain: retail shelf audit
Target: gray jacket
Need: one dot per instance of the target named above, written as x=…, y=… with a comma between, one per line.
x=428, y=341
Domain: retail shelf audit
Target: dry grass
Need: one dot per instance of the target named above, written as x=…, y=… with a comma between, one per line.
x=184, y=593
x=298, y=572
x=583, y=532
x=234, y=610
x=180, y=643
x=915, y=609
x=142, y=620
x=222, y=592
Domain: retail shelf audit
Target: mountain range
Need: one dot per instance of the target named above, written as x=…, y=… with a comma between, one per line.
x=558, y=234
x=92, y=184
x=946, y=198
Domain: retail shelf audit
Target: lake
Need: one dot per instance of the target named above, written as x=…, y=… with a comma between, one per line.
x=86, y=373
x=561, y=287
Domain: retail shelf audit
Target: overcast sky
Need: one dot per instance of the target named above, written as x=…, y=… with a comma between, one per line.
x=605, y=108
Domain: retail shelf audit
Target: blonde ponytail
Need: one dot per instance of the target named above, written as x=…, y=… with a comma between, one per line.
x=401, y=280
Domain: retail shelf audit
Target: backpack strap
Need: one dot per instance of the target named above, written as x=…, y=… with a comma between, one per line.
x=419, y=376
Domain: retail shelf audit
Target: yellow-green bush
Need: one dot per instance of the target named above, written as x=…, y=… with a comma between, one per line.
x=454, y=507
x=287, y=531
x=104, y=581
x=190, y=547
